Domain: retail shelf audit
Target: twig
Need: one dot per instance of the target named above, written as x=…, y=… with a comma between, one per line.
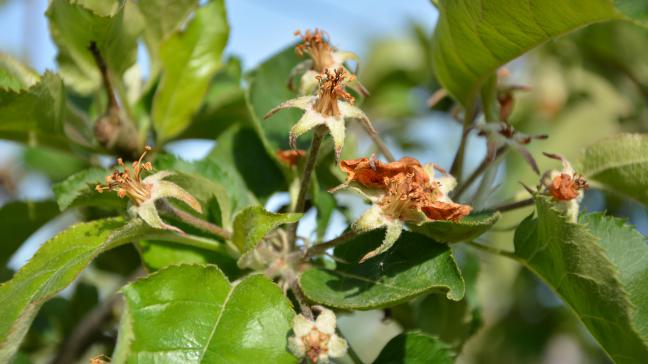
x=304, y=186
x=491, y=250
x=513, y=205
x=457, y=164
x=301, y=300
x=322, y=247
x=103, y=70
x=195, y=221
x=375, y=137
x=88, y=327
x=487, y=162
x=352, y=353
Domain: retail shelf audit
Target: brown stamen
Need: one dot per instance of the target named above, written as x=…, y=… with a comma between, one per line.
x=129, y=181
x=330, y=90
x=316, y=45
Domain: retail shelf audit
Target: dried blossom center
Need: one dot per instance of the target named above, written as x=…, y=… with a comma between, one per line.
x=129, y=181
x=331, y=89
x=316, y=343
x=316, y=45
x=406, y=194
x=565, y=187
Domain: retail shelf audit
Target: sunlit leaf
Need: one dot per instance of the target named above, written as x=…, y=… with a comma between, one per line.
x=189, y=59
x=253, y=223
x=193, y=314
x=468, y=228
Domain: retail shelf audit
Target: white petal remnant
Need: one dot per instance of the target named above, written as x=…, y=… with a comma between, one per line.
x=316, y=340
x=400, y=192
x=331, y=107
x=144, y=192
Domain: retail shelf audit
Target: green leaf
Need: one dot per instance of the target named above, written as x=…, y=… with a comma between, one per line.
x=474, y=38
x=415, y=347
x=56, y=264
x=414, y=266
x=56, y=164
x=596, y=268
x=637, y=9
x=620, y=164
x=35, y=115
x=253, y=223
x=18, y=220
x=189, y=60
x=240, y=152
x=79, y=190
x=14, y=75
x=159, y=254
x=193, y=314
x=162, y=18
x=114, y=28
x=468, y=228
x=269, y=88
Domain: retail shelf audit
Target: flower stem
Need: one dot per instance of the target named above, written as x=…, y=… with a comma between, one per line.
x=375, y=137
x=194, y=220
x=487, y=162
x=300, y=205
x=189, y=240
x=322, y=247
x=495, y=251
x=513, y=205
x=456, y=170
x=301, y=300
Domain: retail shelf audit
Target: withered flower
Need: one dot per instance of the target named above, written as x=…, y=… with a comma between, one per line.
x=323, y=56
x=565, y=186
x=401, y=192
x=290, y=157
x=503, y=134
x=330, y=107
x=143, y=193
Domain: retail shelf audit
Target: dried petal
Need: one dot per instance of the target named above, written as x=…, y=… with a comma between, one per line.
x=449, y=211
x=290, y=157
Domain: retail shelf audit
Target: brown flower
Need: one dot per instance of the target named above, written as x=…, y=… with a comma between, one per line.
x=566, y=187
x=290, y=157
x=401, y=191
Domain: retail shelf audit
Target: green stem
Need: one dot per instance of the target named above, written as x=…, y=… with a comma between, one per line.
x=513, y=205
x=495, y=251
x=322, y=247
x=457, y=164
x=485, y=164
x=189, y=240
x=304, y=186
x=194, y=220
x=301, y=300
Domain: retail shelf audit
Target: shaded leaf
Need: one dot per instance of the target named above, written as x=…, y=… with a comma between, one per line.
x=473, y=38
x=414, y=266
x=56, y=164
x=620, y=163
x=468, y=228
x=253, y=223
x=114, y=26
x=162, y=19
x=18, y=220
x=587, y=264
x=36, y=114
x=415, y=347
x=193, y=314
x=189, y=60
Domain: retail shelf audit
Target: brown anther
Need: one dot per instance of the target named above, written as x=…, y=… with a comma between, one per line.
x=290, y=156
x=129, y=182
x=316, y=45
x=331, y=89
